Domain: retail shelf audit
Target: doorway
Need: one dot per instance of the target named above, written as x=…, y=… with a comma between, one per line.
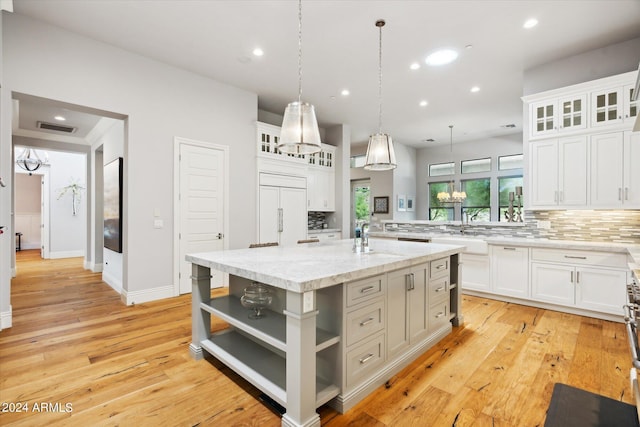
x=360, y=202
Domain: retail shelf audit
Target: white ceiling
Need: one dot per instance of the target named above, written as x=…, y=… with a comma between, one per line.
x=215, y=38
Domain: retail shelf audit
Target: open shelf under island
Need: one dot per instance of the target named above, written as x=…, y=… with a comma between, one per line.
x=353, y=318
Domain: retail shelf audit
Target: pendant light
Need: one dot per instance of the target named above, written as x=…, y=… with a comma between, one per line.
x=451, y=196
x=380, y=154
x=30, y=161
x=299, y=133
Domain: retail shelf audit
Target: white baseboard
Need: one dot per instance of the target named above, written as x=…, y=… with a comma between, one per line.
x=28, y=246
x=6, y=319
x=146, y=295
x=66, y=254
x=114, y=282
x=96, y=268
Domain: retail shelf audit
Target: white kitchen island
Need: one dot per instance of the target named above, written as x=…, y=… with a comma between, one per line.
x=341, y=322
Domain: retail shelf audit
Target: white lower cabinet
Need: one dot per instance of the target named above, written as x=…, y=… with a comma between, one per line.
x=592, y=281
x=407, y=313
x=475, y=272
x=510, y=270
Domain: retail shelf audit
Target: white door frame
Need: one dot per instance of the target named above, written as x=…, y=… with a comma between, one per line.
x=177, y=142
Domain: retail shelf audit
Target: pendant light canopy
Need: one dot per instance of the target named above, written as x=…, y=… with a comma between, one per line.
x=451, y=196
x=299, y=133
x=380, y=153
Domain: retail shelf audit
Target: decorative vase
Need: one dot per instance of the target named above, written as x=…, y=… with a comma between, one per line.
x=256, y=297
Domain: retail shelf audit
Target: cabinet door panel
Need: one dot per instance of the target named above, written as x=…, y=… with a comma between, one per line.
x=293, y=202
x=269, y=204
x=510, y=271
x=572, y=171
x=606, y=169
x=397, y=323
x=600, y=290
x=552, y=283
x=544, y=176
x=475, y=272
x=417, y=299
x=632, y=170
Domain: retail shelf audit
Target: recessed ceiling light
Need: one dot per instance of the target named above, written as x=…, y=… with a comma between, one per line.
x=60, y=118
x=415, y=66
x=530, y=23
x=475, y=89
x=423, y=103
x=258, y=52
x=441, y=57
x=345, y=92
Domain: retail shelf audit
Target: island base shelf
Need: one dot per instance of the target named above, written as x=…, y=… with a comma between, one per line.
x=260, y=366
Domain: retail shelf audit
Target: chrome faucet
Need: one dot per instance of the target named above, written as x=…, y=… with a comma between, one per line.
x=361, y=237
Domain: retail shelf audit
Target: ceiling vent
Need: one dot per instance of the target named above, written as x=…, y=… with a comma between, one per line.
x=55, y=127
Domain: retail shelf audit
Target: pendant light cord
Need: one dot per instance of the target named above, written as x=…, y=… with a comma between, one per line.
x=299, y=51
x=380, y=23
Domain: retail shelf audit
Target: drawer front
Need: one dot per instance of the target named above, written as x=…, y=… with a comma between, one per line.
x=365, y=321
x=438, y=315
x=364, y=359
x=438, y=289
x=605, y=259
x=365, y=289
x=439, y=267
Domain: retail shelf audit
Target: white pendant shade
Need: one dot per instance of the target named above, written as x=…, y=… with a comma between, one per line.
x=380, y=154
x=299, y=133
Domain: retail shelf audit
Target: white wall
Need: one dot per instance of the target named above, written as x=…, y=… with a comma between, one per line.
x=591, y=65
x=160, y=102
x=68, y=232
x=489, y=147
x=404, y=180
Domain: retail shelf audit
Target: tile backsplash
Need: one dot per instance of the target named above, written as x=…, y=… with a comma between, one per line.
x=621, y=226
x=316, y=220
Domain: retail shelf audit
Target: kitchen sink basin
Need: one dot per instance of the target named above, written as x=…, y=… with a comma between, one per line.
x=474, y=246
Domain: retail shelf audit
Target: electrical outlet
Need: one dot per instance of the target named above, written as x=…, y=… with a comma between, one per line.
x=545, y=225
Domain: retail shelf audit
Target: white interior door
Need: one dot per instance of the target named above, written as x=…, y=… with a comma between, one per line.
x=201, y=207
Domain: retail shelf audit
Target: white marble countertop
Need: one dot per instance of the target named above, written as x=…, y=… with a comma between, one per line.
x=302, y=268
x=521, y=241
x=323, y=230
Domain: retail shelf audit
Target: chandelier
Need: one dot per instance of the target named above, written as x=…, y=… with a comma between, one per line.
x=30, y=161
x=451, y=196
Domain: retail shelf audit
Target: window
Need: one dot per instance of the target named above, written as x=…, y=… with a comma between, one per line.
x=473, y=166
x=510, y=162
x=441, y=169
x=507, y=185
x=438, y=211
x=477, y=205
x=358, y=161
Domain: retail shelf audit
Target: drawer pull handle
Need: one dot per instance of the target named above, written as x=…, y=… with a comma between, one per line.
x=366, y=322
x=438, y=267
x=367, y=289
x=575, y=257
x=440, y=289
x=366, y=358
x=439, y=315
x=509, y=249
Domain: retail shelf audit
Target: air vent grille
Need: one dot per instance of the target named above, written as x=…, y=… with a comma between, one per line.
x=56, y=127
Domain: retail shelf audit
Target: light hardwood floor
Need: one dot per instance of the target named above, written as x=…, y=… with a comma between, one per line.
x=73, y=342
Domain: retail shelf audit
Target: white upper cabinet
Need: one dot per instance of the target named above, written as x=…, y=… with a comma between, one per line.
x=558, y=172
x=321, y=182
x=579, y=153
x=557, y=115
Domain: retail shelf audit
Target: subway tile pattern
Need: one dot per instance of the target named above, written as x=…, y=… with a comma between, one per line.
x=582, y=225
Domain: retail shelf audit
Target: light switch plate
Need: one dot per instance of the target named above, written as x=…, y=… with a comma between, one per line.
x=158, y=223
x=307, y=302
